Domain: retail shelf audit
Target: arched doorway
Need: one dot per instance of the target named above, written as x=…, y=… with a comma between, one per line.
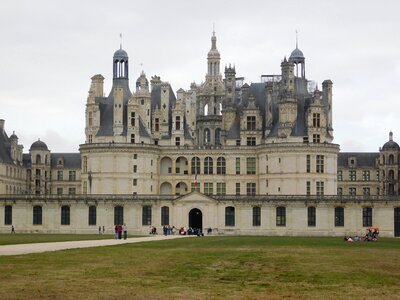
x=196, y=219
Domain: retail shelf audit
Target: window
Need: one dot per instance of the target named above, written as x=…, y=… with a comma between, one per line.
x=90, y=138
x=177, y=141
x=92, y=215
x=320, y=164
x=281, y=216
x=90, y=118
x=340, y=175
x=352, y=191
x=308, y=163
x=311, y=219
x=221, y=188
x=196, y=188
x=256, y=216
x=65, y=215
x=206, y=136
x=146, y=215
x=366, y=191
x=8, y=215
x=38, y=159
x=340, y=191
x=59, y=191
x=59, y=175
x=156, y=124
x=308, y=188
x=133, y=119
x=251, y=189
x=320, y=188
x=251, y=123
x=366, y=175
x=339, y=216
x=208, y=165
x=218, y=136
x=367, y=216
x=164, y=215
x=251, y=141
x=72, y=175
x=237, y=165
x=134, y=182
x=221, y=165
x=237, y=142
x=237, y=188
x=195, y=165
x=251, y=165
x=208, y=188
x=178, y=123
x=37, y=215
x=118, y=215
x=316, y=138
x=352, y=175
x=134, y=168
x=71, y=191
x=316, y=120
x=229, y=216
x=132, y=138
x=84, y=167
x=377, y=175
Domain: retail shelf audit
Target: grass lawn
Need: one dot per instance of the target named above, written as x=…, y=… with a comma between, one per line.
x=28, y=238
x=210, y=268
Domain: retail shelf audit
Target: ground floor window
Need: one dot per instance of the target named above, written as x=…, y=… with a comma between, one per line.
x=256, y=216
x=37, y=215
x=339, y=216
x=65, y=215
x=8, y=215
x=311, y=216
x=281, y=216
x=367, y=216
x=92, y=215
x=146, y=215
x=164, y=215
x=118, y=215
x=229, y=216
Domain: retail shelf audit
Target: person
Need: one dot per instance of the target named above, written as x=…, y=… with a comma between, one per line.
x=12, y=229
x=99, y=229
x=116, y=232
x=125, y=229
x=103, y=229
x=119, y=231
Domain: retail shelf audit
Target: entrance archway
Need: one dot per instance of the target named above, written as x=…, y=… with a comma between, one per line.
x=196, y=219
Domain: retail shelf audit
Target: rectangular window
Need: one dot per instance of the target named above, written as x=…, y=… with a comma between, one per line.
x=90, y=138
x=316, y=138
x=164, y=215
x=308, y=188
x=59, y=191
x=133, y=119
x=92, y=215
x=352, y=175
x=37, y=215
x=134, y=182
x=366, y=191
x=157, y=124
x=8, y=215
x=177, y=141
x=229, y=216
x=311, y=216
x=59, y=175
x=281, y=216
x=208, y=188
x=251, y=165
x=65, y=215
x=320, y=188
x=71, y=191
x=237, y=188
x=340, y=191
x=251, y=189
x=178, y=123
x=308, y=163
x=251, y=123
x=237, y=165
x=340, y=175
x=84, y=187
x=339, y=216
x=352, y=191
x=196, y=188
x=72, y=176
x=256, y=216
x=132, y=138
x=366, y=175
x=251, y=141
x=221, y=188
x=134, y=168
x=237, y=142
x=316, y=120
x=320, y=164
x=367, y=216
x=146, y=215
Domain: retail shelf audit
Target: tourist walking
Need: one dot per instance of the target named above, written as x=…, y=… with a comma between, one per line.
x=12, y=229
x=125, y=229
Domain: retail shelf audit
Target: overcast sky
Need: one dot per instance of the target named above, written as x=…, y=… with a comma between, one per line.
x=50, y=50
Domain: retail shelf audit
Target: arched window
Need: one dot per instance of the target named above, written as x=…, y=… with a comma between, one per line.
x=281, y=216
x=92, y=215
x=339, y=216
x=164, y=215
x=65, y=215
x=118, y=215
x=208, y=165
x=146, y=215
x=220, y=109
x=207, y=136
x=195, y=165
x=229, y=216
x=38, y=159
x=391, y=175
x=37, y=215
x=221, y=165
x=8, y=215
x=256, y=216
x=391, y=159
x=205, y=110
x=218, y=136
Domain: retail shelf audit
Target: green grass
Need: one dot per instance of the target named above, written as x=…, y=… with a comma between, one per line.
x=26, y=238
x=210, y=268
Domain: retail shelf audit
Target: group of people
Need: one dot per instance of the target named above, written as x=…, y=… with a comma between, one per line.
x=371, y=235
x=101, y=230
x=119, y=230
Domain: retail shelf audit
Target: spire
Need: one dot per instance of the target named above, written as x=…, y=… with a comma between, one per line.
x=120, y=43
x=390, y=136
x=213, y=40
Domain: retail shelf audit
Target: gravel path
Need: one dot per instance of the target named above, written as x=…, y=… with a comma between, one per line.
x=55, y=246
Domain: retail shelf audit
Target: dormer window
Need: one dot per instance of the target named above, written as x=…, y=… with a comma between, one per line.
x=352, y=162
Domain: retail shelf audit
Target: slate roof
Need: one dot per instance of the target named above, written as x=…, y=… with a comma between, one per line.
x=363, y=159
x=71, y=160
x=5, y=148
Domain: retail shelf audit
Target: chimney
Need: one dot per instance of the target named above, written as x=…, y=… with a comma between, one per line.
x=2, y=126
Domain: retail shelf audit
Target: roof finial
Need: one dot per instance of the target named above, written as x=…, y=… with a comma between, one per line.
x=390, y=135
x=296, y=40
x=120, y=43
x=213, y=29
